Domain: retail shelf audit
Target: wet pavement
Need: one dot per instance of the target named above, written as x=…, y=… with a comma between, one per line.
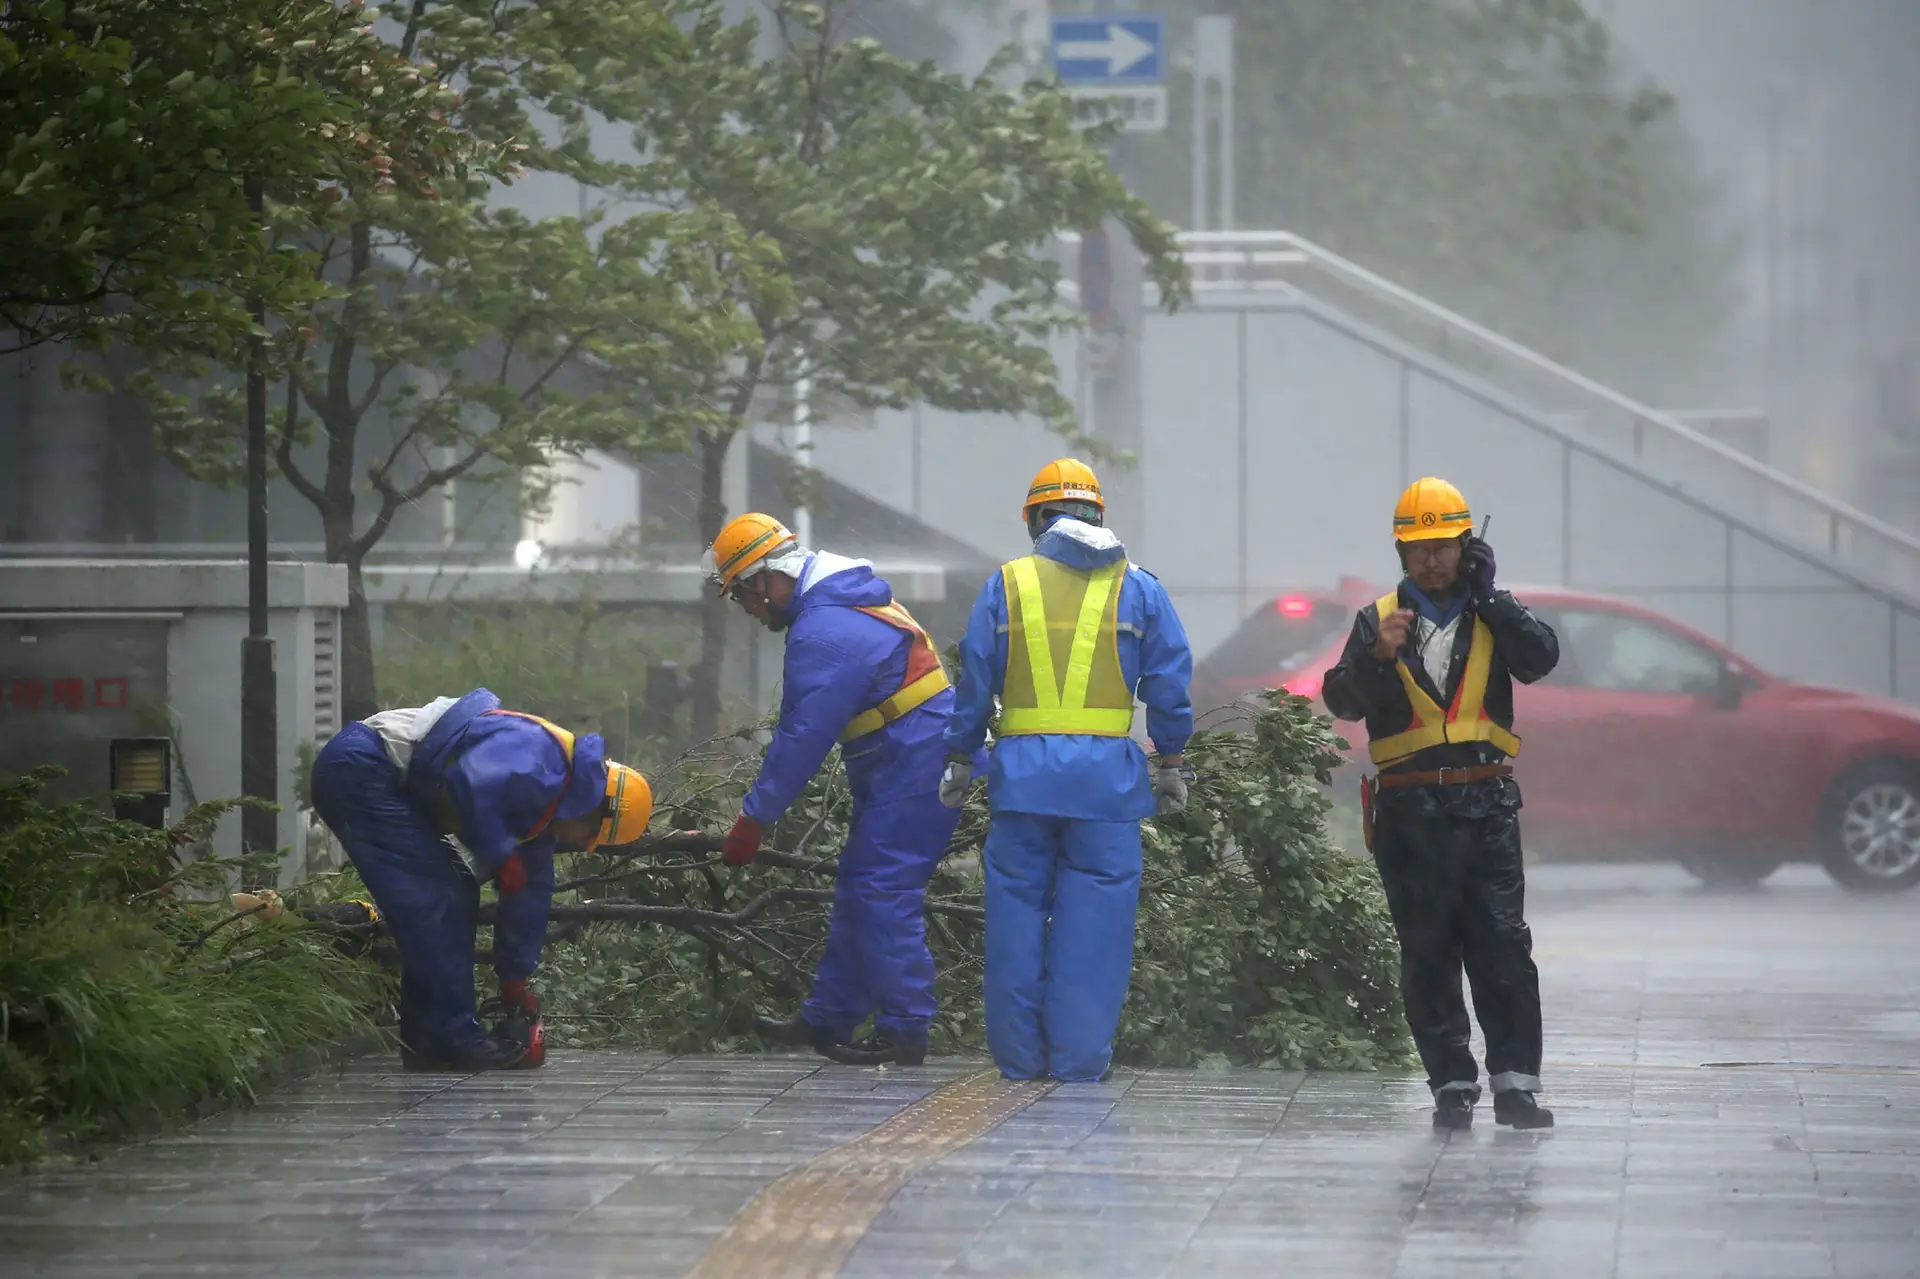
x=1737, y=1079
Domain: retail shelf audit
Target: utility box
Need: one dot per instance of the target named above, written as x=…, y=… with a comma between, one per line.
x=97, y=651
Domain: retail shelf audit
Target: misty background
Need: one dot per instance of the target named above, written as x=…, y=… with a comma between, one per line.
x=1707, y=207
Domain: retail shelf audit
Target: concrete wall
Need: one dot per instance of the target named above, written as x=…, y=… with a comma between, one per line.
x=203, y=606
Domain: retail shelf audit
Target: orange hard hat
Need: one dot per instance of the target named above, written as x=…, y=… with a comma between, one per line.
x=1429, y=510
x=743, y=544
x=1066, y=479
x=629, y=807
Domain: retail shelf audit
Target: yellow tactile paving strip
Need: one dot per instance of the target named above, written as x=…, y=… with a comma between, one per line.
x=807, y=1223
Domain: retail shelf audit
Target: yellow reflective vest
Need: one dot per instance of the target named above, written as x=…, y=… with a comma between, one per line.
x=1466, y=720
x=1063, y=651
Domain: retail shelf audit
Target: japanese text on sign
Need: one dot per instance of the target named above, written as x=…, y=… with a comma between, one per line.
x=68, y=693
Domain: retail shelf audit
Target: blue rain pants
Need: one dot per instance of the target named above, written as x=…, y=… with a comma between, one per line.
x=1062, y=893
x=876, y=961
x=420, y=883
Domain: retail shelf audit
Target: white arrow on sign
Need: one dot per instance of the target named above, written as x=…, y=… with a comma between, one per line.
x=1121, y=50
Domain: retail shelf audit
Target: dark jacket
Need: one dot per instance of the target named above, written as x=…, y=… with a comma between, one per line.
x=1361, y=687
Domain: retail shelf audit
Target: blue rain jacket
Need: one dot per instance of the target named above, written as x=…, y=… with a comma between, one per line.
x=1075, y=774
x=496, y=776
x=500, y=774
x=840, y=662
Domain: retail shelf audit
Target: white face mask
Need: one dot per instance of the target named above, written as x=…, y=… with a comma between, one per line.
x=1053, y=513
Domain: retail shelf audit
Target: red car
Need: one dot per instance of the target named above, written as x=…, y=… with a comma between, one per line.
x=1649, y=741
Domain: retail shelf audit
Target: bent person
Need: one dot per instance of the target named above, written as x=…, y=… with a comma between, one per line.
x=513, y=789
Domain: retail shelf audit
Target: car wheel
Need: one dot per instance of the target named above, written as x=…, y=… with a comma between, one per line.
x=1872, y=829
x=1730, y=870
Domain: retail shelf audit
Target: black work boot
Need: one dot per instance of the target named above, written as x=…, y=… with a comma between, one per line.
x=1518, y=1109
x=795, y=1032
x=1453, y=1110
x=491, y=1053
x=877, y=1049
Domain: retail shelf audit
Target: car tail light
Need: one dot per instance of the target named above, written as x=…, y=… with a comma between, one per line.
x=1293, y=606
x=1303, y=686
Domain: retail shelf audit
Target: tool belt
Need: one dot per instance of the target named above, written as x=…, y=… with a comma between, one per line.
x=1372, y=786
x=1443, y=776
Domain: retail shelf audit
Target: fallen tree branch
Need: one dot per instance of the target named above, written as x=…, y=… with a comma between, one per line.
x=684, y=917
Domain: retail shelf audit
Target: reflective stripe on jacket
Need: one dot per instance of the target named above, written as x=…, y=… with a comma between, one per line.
x=924, y=678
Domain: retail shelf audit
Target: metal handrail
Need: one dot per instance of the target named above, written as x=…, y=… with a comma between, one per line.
x=1217, y=249
x=1527, y=416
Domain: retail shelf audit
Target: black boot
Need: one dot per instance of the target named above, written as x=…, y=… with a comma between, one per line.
x=1518, y=1109
x=1453, y=1110
x=491, y=1053
x=795, y=1032
x=877, y=1049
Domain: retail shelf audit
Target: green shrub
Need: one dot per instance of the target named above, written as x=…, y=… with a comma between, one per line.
x=121, y=1004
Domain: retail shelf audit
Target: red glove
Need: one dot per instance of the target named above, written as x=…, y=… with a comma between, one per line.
x=743, y=841
x=512, y=875
x=514, y=994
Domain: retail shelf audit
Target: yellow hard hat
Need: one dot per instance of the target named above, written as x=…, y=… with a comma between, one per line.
x=1429, y=510
x=1066, y=479
x=629, y=807
x=743, y=543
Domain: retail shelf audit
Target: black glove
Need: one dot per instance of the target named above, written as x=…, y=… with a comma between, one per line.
x=1477, y=566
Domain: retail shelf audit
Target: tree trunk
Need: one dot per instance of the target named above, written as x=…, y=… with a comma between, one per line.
x=713, y=608
x=357, y=694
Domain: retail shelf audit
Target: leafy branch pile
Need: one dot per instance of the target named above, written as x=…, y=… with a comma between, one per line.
x=1259, y=942
x=120, y=1001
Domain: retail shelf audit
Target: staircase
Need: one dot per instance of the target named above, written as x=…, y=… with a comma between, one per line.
x=1774, y=507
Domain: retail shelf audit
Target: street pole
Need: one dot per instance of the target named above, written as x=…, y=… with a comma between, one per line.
x=259, y=726
x=803, y=451
x=1213, y=144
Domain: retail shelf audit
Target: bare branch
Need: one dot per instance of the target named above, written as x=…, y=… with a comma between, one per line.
x=392, y=499
x=283, y=450
x=560, y=361
x=381, y=370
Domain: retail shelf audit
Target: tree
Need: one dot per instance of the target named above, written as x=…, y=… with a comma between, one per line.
x=897, y=225
x=454, y=340
x=135, y=127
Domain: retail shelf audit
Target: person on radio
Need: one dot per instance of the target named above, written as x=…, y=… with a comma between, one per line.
x=1430, y=668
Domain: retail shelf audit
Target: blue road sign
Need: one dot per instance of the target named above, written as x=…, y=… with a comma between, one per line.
x=1120, y=49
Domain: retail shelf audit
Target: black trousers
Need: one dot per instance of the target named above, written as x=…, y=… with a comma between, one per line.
x=1457, y=891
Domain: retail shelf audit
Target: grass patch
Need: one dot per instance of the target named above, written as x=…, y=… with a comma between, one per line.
x=121, y=1004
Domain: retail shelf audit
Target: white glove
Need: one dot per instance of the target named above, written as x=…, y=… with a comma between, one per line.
x=1170, y=787
x=954, y=782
